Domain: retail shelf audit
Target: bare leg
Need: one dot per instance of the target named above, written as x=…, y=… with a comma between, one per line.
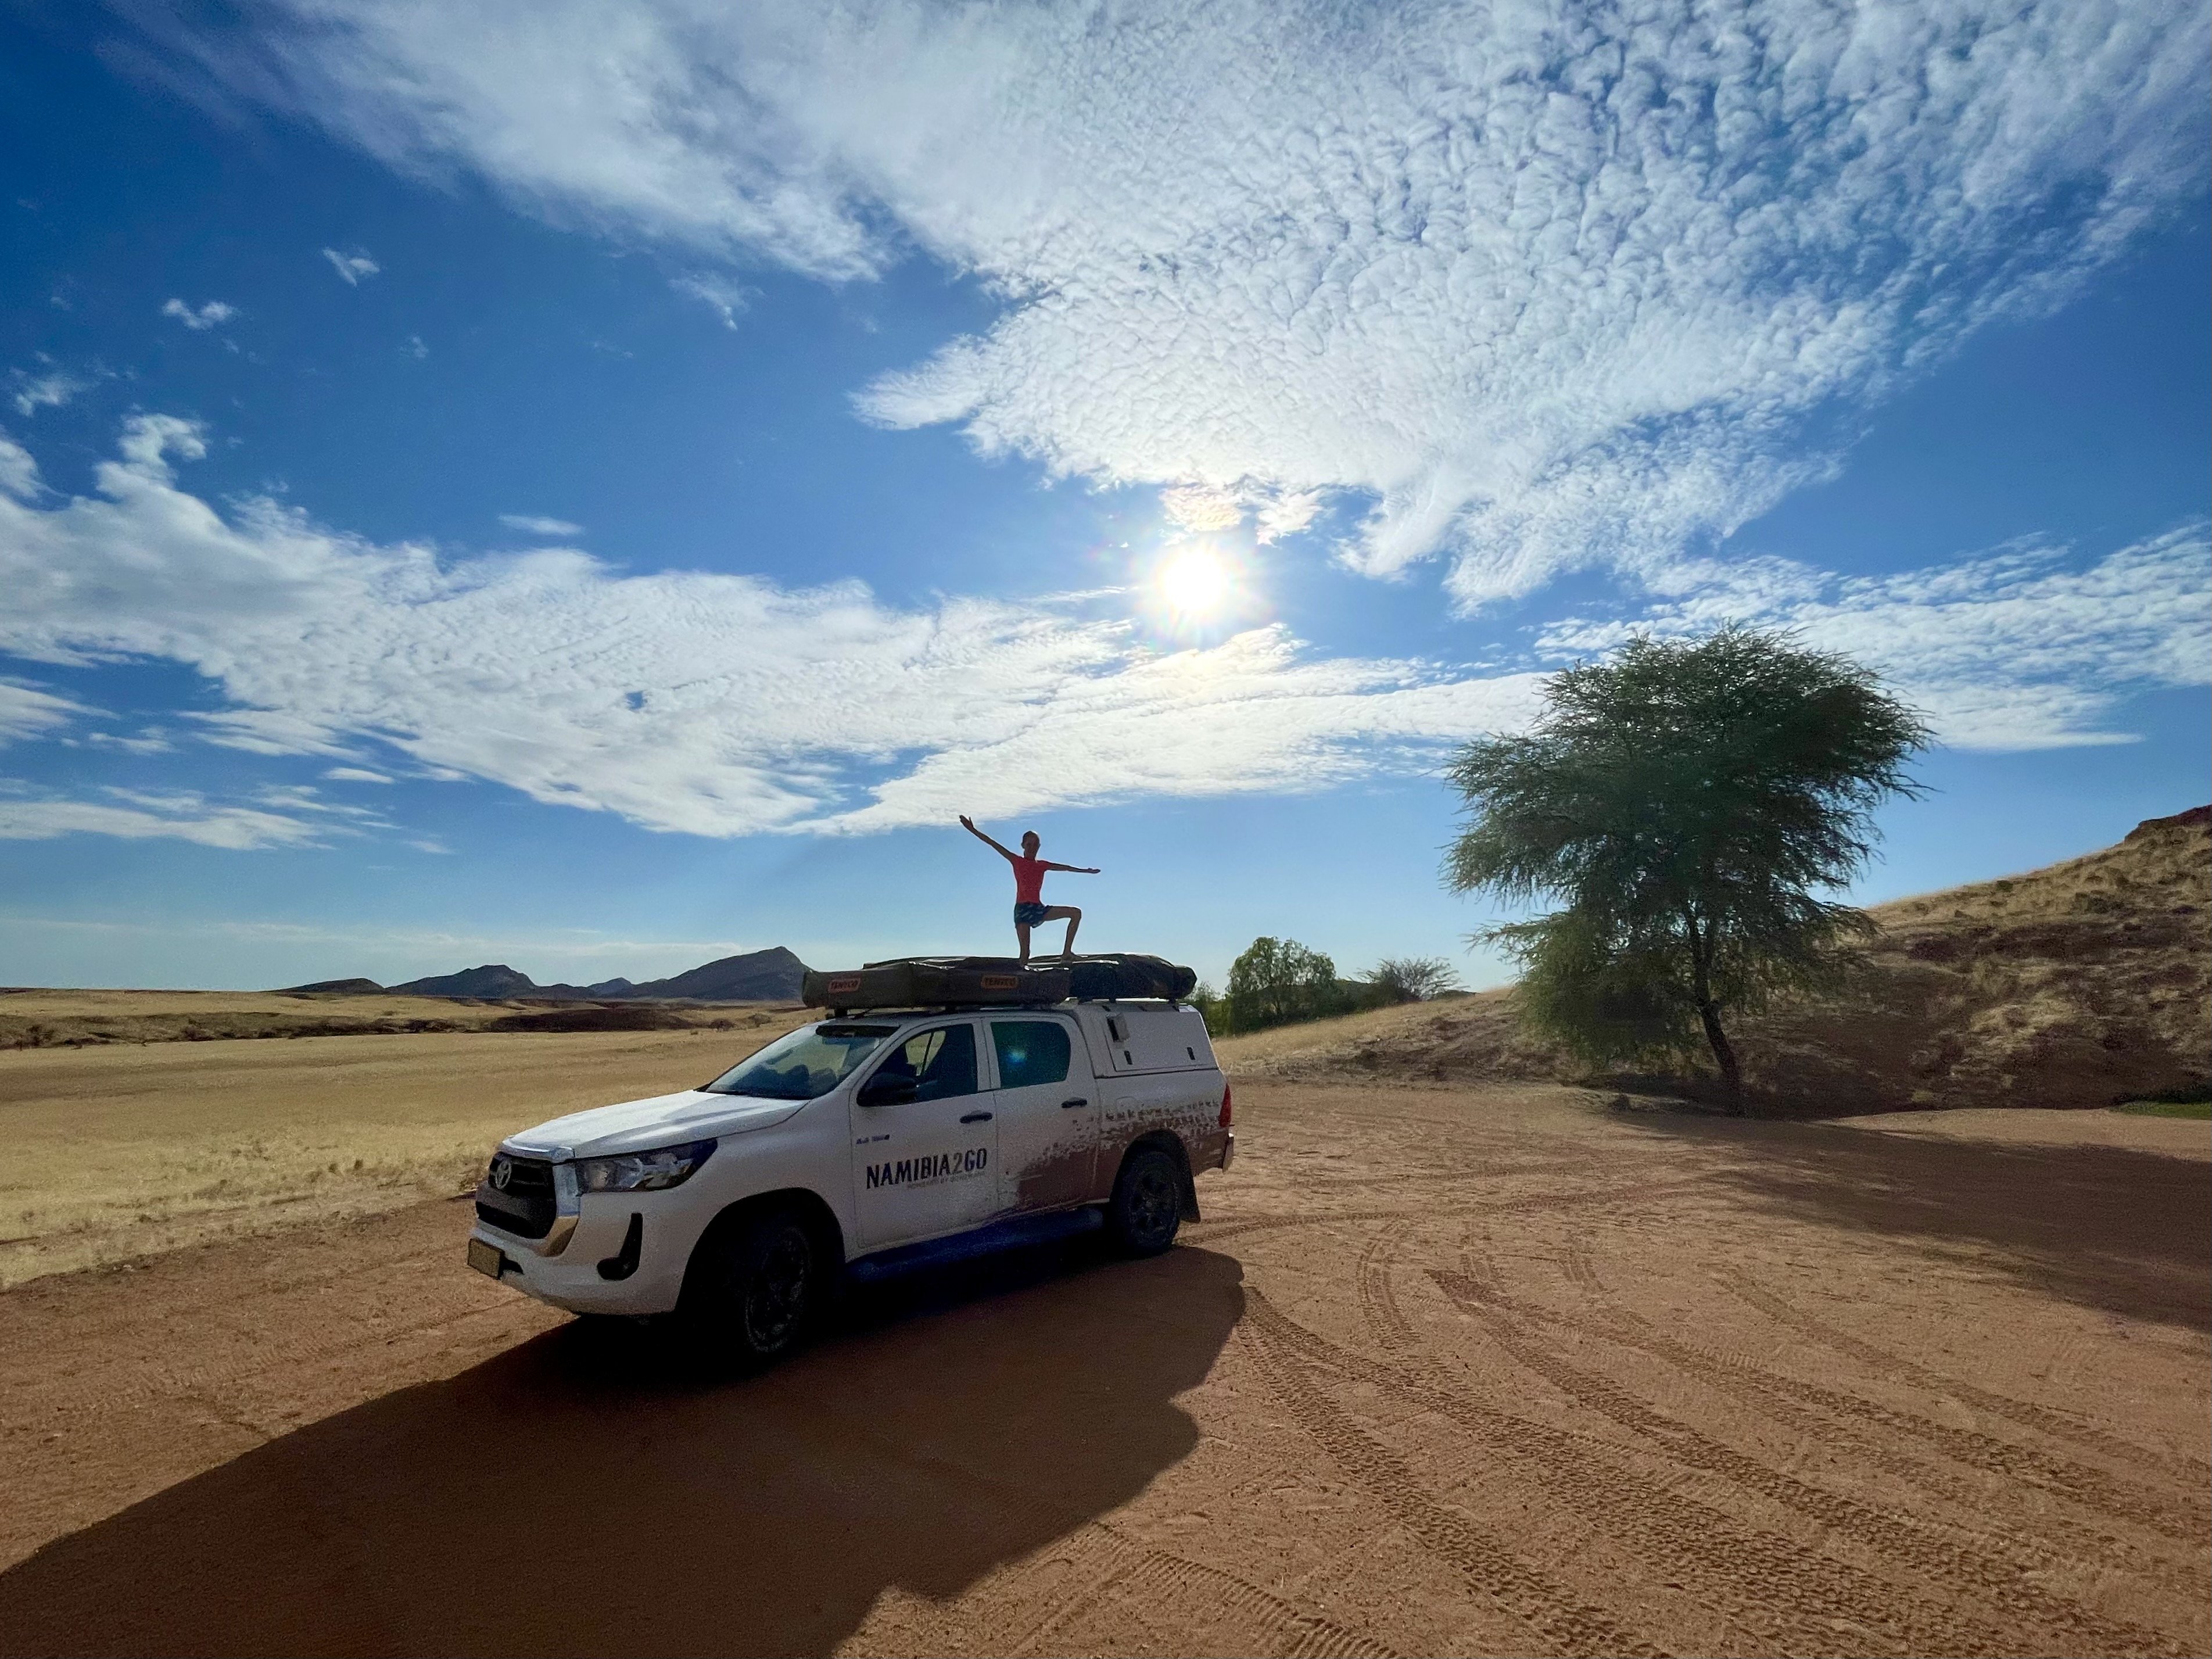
x=1022, y=932
x=1072, y=917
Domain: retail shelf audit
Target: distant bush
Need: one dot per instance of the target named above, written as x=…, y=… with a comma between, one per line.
x=1210, y=1003
x=1414, y=979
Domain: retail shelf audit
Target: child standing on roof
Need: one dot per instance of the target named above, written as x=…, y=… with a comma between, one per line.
x=1030, y=907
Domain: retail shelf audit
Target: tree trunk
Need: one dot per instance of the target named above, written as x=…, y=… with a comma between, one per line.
x=1731, y=1075
x=1709, y=1013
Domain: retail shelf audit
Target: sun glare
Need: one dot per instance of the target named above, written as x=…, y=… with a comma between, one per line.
x=1195, y=582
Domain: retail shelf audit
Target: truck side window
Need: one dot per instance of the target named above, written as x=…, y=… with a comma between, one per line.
x=942, y=1062
x=1030, y=1051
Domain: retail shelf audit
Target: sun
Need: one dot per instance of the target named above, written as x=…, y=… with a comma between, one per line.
x=1195, y=582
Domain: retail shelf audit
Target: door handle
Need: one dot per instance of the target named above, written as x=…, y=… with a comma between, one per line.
x=976, y=1117
x=1065, y=1104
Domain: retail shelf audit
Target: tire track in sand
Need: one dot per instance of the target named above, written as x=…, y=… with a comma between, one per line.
x=1126, y=1568
x=1909, y=1542
x=2065, y=1541
x=1787, y=1598
x=1212, y=1232
x=1882, y=1362
x=1570, y=1624
x=1109, y=1564
x=1379, y=1301
x=2091, y=1488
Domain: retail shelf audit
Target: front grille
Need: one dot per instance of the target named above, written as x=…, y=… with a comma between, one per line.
x=525, y=1206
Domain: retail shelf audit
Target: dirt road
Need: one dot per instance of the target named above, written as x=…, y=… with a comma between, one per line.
x=1468, y=1371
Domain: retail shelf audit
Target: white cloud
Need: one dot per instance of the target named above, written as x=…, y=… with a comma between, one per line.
x=27, y=712
x=712, y=704
x=415, y=348
x=725, y=298
x=19, y=473
x=724, y=705
x=2027, y=647
x=532, y=524
x=354, y=775
x=48, y=391
x=152, y=741
x=1549, y=284
x=177, y=817
x=203, y=317
x=351, y=267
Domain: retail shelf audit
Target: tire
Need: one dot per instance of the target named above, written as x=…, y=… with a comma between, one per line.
x=757, y=1289
x=1146, y=1208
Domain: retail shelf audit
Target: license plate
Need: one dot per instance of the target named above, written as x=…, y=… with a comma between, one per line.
x=485, y=1258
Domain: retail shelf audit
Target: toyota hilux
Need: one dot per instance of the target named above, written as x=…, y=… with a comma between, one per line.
x=859, y=1146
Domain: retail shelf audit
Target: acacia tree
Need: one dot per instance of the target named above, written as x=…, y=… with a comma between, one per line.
x=1686, y=800
x=1277, y=982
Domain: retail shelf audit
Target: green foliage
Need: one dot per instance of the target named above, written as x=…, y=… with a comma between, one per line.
x=1277, y=982
x=1413, y=979
x=1684, y=800
x=1211, y=1007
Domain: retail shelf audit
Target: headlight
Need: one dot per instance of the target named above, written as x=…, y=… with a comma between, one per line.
x=642, y=1172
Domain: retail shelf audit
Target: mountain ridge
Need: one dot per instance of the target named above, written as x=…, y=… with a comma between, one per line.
x=773, y=975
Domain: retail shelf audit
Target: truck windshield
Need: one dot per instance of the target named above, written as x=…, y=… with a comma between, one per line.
x=803, y=1066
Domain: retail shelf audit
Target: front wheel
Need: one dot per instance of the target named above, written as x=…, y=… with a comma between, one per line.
x=755, y=1293
x=1146, y=1208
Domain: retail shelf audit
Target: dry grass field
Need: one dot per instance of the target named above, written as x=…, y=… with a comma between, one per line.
x=36, y=1018
x=123, y=1150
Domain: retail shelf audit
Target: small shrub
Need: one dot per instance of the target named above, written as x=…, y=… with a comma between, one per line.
x=1414, y=979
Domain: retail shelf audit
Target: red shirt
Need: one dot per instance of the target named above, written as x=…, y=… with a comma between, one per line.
x=1029, y=880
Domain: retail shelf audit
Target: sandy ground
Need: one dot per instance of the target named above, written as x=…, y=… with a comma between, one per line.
x=1444, y=1370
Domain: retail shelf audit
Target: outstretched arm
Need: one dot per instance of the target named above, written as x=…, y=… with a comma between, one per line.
x=1072, y=869
x=969, y=824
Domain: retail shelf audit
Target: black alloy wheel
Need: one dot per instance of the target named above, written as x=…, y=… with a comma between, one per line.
x=1147, y=1207
x=774, y=1286
x=753, y=1291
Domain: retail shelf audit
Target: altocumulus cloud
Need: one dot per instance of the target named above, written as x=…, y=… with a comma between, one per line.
x=1542, y=285
x=724, y=705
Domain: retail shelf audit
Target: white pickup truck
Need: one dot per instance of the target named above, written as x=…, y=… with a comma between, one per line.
x=860, y=1146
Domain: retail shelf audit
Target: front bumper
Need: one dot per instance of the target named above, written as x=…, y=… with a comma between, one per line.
x=570, y=1277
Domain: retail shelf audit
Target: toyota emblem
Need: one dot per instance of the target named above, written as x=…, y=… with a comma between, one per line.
x=502, y=1172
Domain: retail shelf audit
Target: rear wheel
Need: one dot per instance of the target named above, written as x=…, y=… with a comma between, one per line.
x=755, y=1293
x=1147, y=1204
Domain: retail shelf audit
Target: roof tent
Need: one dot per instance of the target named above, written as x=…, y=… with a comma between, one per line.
x=995, y=981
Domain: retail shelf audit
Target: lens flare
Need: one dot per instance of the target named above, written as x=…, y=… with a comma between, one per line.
x=1195, y=582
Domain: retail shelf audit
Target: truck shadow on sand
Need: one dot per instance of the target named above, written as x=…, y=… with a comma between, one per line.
x=2108, y=1227
x=589, y=1492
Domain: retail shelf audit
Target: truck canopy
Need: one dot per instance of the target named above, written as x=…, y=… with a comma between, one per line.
x=995, y=981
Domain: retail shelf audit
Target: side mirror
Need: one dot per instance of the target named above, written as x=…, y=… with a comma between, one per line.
x=889, y=1090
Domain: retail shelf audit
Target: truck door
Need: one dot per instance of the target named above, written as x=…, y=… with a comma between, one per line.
x=1047, y=1110
x=926, y=1140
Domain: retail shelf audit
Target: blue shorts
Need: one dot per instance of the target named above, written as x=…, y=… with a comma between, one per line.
x=1028, y=915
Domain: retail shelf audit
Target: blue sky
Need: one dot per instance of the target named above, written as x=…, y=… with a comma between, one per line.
x=604, y=489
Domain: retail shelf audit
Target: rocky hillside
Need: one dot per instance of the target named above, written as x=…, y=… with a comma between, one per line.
x=2076, y=985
